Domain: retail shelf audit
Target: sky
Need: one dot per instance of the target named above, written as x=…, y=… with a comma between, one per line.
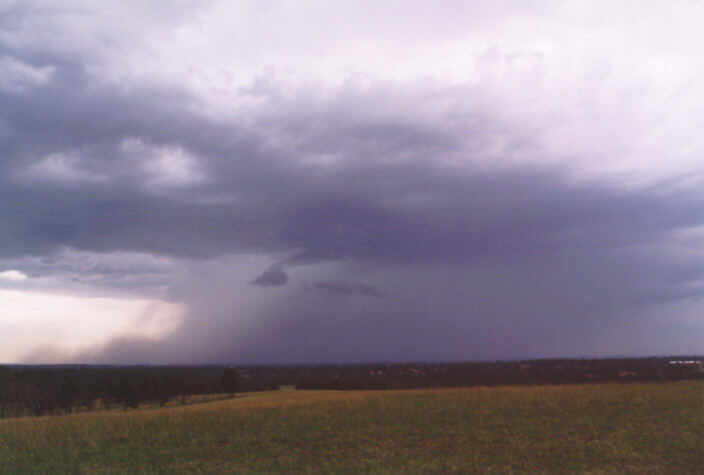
x=280, y=182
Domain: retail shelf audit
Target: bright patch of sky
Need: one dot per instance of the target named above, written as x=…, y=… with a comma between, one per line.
x=39, y=327
x=12, y=276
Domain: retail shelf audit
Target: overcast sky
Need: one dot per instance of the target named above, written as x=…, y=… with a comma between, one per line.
x=313, y=182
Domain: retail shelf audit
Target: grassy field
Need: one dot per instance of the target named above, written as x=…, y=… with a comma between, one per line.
x=606, y=427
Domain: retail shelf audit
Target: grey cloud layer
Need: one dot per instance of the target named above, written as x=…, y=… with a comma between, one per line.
x=392, y=183
x=383, y=197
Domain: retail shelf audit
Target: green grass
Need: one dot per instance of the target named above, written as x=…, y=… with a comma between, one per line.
x=604, y=427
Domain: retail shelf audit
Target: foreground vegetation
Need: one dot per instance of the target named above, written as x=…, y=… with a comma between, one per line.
x=593, y=427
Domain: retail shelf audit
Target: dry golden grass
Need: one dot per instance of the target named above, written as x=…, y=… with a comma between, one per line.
x=607, y=427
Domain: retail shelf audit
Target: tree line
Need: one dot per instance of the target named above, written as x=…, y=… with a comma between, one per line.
x=546, y=371
x=41, y=390
x=53, y=390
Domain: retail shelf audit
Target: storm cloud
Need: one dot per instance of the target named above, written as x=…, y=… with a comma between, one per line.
x=426, y=211
x=271, y=278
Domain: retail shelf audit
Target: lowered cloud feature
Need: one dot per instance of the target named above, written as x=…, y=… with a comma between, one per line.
x=273, y=277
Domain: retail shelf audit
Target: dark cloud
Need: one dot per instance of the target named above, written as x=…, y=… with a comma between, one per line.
x=273, y=277
x=386, y=184
x=381, y=199
x=349, y=288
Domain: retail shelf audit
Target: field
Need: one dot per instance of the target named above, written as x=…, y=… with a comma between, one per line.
x=595, y=427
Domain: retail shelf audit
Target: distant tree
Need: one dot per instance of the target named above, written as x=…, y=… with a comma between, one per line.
x=45, y=392
x=5, y=377
x=65, y=394
x=166, y=387
x=128, y=393
x=105, y=391
x=229, y=380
